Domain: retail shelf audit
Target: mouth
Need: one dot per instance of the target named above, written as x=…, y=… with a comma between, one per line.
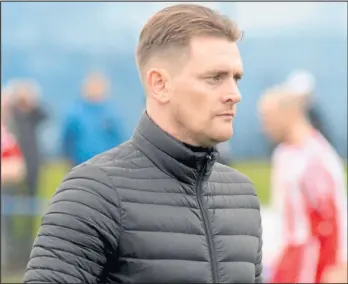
x=227, y=115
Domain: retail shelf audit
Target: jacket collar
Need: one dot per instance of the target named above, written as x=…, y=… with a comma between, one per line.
x=169, y=154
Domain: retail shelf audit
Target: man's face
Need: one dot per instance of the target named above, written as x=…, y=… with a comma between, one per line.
x=204, y=93
x=275, y=120
x=95, y=88
x=26, y=98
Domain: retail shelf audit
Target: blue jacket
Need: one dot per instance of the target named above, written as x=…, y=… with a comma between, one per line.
x=90, y=129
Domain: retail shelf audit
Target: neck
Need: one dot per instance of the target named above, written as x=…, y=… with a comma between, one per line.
x=299, y=132
x=171, y=127
x=169, y=154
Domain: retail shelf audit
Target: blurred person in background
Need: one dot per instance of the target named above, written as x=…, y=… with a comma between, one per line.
x=12, y=173
x=12, y=163
x=158, y=208
x=308, y=190
x=91, y=126
x=24, y=118
x=303, y=83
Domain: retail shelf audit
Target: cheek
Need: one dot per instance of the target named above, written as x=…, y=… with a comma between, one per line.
x=270, y=126
x=194, y=98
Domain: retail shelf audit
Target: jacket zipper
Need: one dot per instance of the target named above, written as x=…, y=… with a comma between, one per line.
x=207, y=228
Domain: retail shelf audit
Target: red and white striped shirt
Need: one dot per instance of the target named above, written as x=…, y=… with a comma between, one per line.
x=309, y=195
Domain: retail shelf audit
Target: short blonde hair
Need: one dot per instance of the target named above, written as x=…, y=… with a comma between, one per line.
x=174, y=27
x=284, y=97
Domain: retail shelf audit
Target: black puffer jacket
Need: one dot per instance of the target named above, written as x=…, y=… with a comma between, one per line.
x=150, y=210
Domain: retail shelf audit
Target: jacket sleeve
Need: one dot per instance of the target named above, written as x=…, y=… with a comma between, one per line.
x=79, y=232
x=258, y=262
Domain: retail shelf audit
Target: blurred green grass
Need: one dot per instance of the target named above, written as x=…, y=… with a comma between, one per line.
x=51, y=175
x=258, y=171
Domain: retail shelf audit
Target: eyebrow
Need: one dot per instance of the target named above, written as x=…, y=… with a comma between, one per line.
x=240, y=74
x=222, y=71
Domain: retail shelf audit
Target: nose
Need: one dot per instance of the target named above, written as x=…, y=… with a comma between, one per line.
x=231, y=91
x=232, y=96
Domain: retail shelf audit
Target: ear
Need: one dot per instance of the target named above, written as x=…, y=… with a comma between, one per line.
x=157, y=82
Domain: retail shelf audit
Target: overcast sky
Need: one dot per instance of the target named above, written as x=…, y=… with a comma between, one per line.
x=106, y=24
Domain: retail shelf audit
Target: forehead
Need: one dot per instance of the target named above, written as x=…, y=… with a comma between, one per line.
x=214, y=52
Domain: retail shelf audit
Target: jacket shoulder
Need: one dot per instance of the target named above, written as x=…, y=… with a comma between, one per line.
x=120, y=154
x=231, y=175
x=234, y=182
x=124, y=161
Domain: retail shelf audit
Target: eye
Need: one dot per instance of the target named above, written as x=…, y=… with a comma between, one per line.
x=237, y=78
x=216, y=79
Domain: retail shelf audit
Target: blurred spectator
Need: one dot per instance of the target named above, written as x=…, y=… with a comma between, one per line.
x=91, y=127
x=5, y=105
x=308, y=190
x=25, y=116
x=303, y=83
x=12, y=172
x=12, y=164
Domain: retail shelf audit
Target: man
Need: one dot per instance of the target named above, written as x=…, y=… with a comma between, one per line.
x=303, y=82
x=308, y=191
x=12, y=164
x=158, y=209
x=12, y=172
x=26, y=115
x=90, y=127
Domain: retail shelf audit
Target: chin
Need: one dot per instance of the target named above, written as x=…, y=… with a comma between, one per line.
x=273, y=137
x=223, y=135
